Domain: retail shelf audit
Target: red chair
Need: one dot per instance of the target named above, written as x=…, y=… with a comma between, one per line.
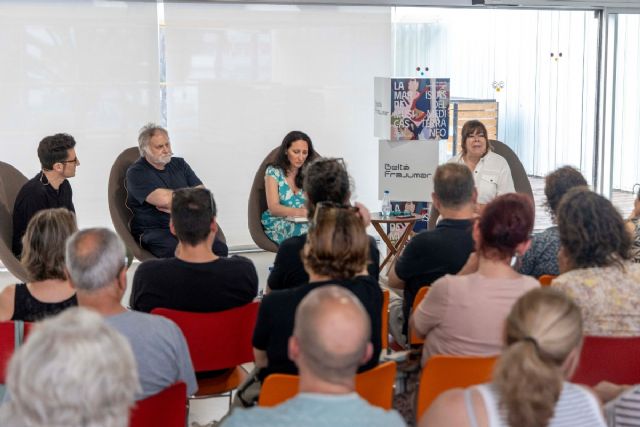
x=414, y=339
x=385, y=319
x=217, y=341
x=612, y=359
x=546, y=279
x=12, y=335
x=167, y=408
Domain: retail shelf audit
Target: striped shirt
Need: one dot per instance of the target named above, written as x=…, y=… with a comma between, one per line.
x=576, y=407
x=626, y=409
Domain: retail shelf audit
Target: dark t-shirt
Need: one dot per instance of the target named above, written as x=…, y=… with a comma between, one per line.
x=29, y=309
x=198, y=287
x=36, y=195
x=277, y=314
x=143, y=179
x=432, y=254
x=288, y=270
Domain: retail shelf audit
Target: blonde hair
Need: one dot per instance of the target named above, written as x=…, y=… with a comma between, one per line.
x=43, y=244
x=544, y=326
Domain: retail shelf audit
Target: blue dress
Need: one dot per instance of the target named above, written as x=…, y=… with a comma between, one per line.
x=277, y=228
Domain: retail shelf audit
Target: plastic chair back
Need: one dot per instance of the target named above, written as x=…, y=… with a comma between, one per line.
x=12, y=335
x=546, y=279
x=442, y=373
x=613, y=359
x=11, y=181
x=413, y=338
x=374, y=385
x=167, y=408
x=217, y=340
x=384, y=319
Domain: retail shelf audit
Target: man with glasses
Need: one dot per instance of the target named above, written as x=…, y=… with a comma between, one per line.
x=196, y=279
x=150, y=182
x=49, y=188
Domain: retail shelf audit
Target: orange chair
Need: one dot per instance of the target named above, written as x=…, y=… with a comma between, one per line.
x=374, y=385
x=613, y=359
x=217, y=341
x=12, y=335
x=414, y=339
x=384, y=319
x=167, y=408
x=442, y=373
x=546, y=279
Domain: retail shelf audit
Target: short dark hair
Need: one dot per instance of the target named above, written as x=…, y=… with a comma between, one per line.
x=192, y=210
x=53, y=149
x=470, y=127
x=453, y=184
x=506, y=222
x=558, y=182
x=282, y=161
x=326, y=180
x=592, y=231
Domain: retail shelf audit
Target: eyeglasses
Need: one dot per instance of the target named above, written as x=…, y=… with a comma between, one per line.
x=74, y=160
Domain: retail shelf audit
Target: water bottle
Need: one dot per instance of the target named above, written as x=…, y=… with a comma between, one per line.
x=386, y=204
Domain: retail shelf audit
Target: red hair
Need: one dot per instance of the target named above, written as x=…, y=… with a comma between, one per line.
x=506, y=222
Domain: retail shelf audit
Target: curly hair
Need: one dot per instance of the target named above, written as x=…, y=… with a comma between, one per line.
x=592, y=231
x=43, y=243
x=337, y=244
x=506, y=222
x=282, y=161
x=558, y=182
x=53, y=149
x=326, y=180
x=542, y=329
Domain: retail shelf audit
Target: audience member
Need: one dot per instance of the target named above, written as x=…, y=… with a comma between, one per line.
x=633, y=223
x=325, y=180
x=196, y=279
x=335, y=253
x=543, y=336
x=464, y=314
x=542, y=257
x=48, y=291
x=283, y=187
x=97, y=269
x=73, y=371
x=622, y=407
x=150, y=182
x=432, y=254
x=595, y=262
x=49, y=188
x=491, y=171
x=330, y=340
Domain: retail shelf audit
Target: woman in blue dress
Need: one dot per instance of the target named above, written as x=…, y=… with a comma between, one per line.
x=283, y=187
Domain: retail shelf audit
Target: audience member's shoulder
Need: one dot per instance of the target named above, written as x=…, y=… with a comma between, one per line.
x=144, y=321
x=238, y=260
x=365, y=280
x=294, y=242
x=153, y=265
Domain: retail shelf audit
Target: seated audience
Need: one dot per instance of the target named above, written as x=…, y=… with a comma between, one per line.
x=73, y=371
x=464, y=314
x=150, y=183
x=335, y=253
x=48, y=291
x=49, y=188
x=543, y=336
x=325, y=180
x=283, y=187
x=542, y=256
x=430, y=255
x=97, y=269
x=633, y=223
x=330, y=340
x=622, y=407
x=196, y=279
x=595, y=262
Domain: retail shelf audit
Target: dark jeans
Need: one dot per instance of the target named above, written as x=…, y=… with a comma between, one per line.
x=162, y=244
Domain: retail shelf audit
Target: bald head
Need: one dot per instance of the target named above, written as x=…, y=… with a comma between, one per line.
x=333, y=331
x=94, y=258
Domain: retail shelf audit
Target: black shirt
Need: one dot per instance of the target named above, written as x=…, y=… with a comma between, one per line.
x=198, y=287
x=288, y=270
x=29, y=309
x=277, y=314
x=36, y=195
x=430, y=255
x=142, y=179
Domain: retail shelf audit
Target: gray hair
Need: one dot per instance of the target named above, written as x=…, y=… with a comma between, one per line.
x=74, y=370
x=147, y=132
x=333, y=330
x=94, y=257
